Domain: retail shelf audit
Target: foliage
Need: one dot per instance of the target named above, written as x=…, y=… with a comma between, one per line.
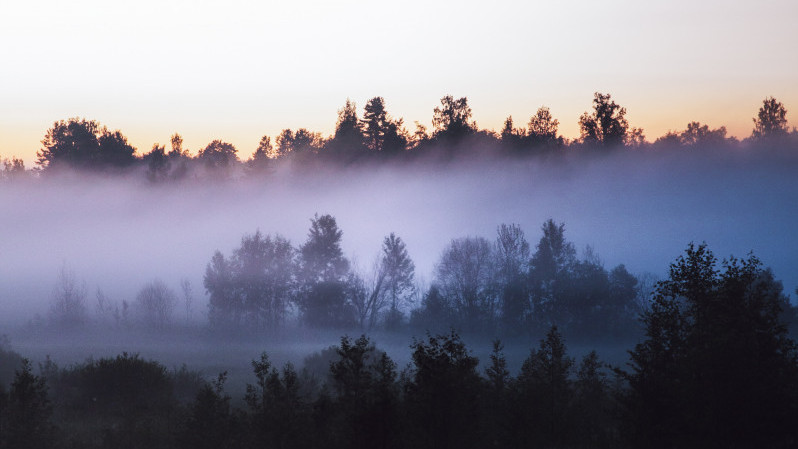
x=323, y=272
x=84, y=144
x=442, y=394
x=715, y=345
x=606, y=126
x=254, y=287
x=771, y=120
x=464, y=275
x=452, y=120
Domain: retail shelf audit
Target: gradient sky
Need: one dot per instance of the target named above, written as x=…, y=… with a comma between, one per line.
x=236, y=70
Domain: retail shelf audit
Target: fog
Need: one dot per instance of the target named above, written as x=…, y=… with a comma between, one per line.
x=118, y=233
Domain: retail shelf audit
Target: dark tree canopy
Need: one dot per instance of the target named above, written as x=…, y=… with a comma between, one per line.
x=771, y=121
x=381, y=133
x=218, y=157
x=84, y=144
x=452, y=120
x=254, y=287
x=715, y=345
x=348, y=141
x=323, y=271
x=606, y=125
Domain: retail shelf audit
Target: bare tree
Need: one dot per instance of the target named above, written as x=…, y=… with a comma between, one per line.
x=367, y=294
x=465, y=276
x=69, y=300
x=156, y=303
x=107, y=308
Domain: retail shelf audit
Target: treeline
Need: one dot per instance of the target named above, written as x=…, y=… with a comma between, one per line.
x=376, y=136
x=716, y=368
x=499, y=287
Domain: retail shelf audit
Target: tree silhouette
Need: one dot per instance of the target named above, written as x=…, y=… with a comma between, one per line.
x=715, y=346
x=84, y=144
x=68, y=308
x=254, y=287
x=452, y=120
x=544, y=390
x=542, y=129
x=399, y=272
x=263, y=157
x=366, y=396
x=512, y=265
x=158, y=164
x=218, y=158
x=323, y=273
x=465, y=276
x=279, y=415
x=156, y=303
x=549, y=268
x=442, y=394
x=348, y=141
x=606, y=125
x=27, y=415
x=210, y=423
x=381, y=133
x=771, y=121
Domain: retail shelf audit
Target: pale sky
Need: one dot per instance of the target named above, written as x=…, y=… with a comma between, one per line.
x=236, y=70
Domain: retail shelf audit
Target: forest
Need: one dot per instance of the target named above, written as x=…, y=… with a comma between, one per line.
x=505, y=339
x=375, y=136
x=715, y=367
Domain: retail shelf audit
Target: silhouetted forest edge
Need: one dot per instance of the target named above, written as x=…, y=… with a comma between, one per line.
x=714, y=367
x=374, y=137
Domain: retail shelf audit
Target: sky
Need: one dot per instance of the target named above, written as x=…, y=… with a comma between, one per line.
x=237, y=70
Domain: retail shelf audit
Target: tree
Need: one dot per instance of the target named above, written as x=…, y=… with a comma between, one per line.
x=381, y=133
x=158, y=164
x=323, y=271
x=84, y=144
x=442, y=394
x=542, y=129
x=68, y=308
x=771, y=121
x=301, y=144
x=13, y=169
x=218, y=158
x=347, y=141
x=607, y=125
x=512, y=265
x=498, y=426
x=512, y=138
x=698, y=134
x=398, y=270
x=179, y=156
x=549, y=268
x=225, y=309
x=27, y=421
x=261, y=160
x=367, y=297
x=210, y=424
x=156, y=303
x=593, y=405
x=715, y=344
x=254, y=287
x=544, y=389
x=465, y=276
x=366, y=397
x=279, y=412
x=435, y=312
x=452, y=121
